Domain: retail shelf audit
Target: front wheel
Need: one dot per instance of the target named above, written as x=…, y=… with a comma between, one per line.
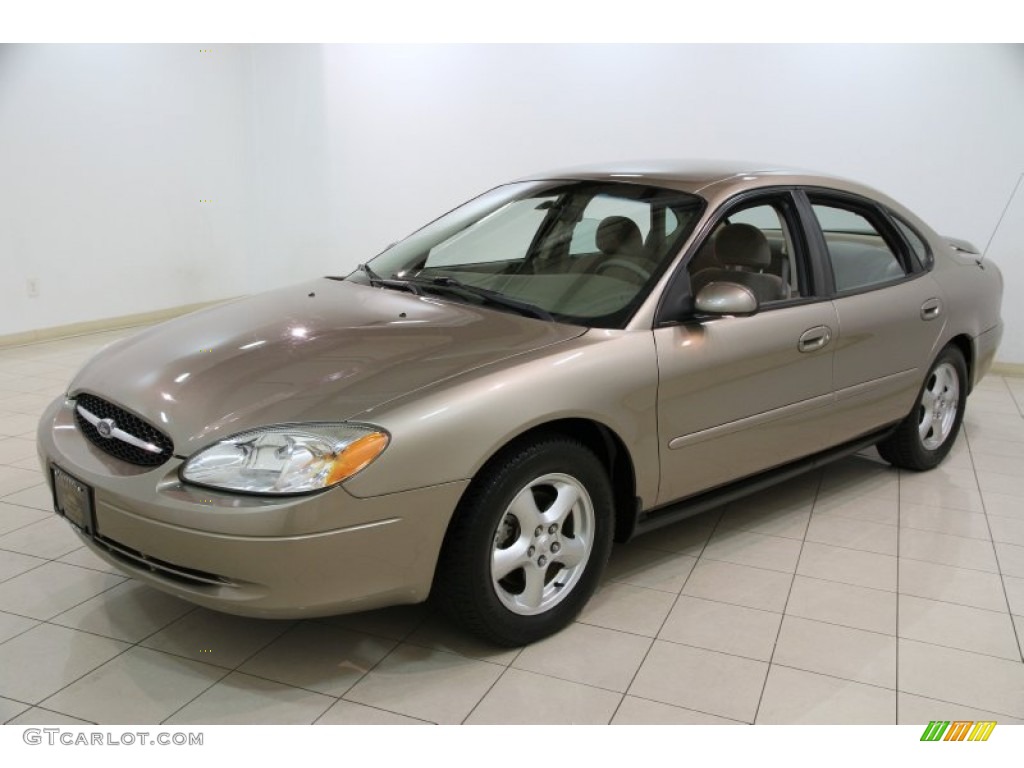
x=923, y=439
x=528, y=543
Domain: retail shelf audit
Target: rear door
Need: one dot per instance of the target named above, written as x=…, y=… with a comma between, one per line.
x=890, y=311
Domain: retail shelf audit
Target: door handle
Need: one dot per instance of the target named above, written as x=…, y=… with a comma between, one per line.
x=931, y=309
x=814, y=338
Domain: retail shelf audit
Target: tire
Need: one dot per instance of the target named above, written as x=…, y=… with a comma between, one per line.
x=923, y=439
x=528, y=543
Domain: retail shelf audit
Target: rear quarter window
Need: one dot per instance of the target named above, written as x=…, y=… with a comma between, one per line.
x=918, y=247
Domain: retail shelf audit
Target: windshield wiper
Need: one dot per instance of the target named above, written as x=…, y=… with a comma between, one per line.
x=450, y=284
x=377, y=281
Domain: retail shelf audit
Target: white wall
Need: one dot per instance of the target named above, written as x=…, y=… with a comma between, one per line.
x=317, y=157
x=293, y=222
x=105, y=153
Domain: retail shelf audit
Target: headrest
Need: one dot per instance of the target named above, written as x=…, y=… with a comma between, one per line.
x=742, y=245
x=619, y=235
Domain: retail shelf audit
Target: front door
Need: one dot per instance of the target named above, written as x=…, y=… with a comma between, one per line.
x=740, y=395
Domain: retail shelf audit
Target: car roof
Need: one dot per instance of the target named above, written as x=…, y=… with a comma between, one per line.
x=695, y=175
x=717, y=180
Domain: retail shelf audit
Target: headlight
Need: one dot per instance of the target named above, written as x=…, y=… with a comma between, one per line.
x=291, y=458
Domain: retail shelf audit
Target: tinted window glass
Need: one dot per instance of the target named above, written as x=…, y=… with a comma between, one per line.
x=859, y=254
x=730, y=254
x=583, y=252
x=917, y=244
x=584, y=237
x=505, y=237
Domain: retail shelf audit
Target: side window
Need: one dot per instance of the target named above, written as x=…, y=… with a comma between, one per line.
x=917, y=244
x=753, y=246
x=860, y=256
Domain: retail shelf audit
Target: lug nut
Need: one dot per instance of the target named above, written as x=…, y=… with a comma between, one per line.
x=553, y=528
x=542, y=561
x=539, y=531
x=555, y=547
x=530, y=551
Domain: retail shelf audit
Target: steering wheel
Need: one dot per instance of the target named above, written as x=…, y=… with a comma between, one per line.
x=625, y=264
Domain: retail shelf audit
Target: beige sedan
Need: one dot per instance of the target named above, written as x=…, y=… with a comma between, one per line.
x=478, y=412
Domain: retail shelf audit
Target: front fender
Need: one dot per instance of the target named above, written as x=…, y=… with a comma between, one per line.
x=449, y=432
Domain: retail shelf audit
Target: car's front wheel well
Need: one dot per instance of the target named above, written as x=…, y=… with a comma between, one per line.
x=613, y=454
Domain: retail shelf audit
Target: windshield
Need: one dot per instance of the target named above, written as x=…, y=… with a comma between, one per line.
x=581, y=252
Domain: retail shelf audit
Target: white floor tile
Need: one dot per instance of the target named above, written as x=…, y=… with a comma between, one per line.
x=140, y=686
x=853, y=534
x=628, y=609
x=321, y=658
x=349, y=713
x=828, y=649
x=952, y=585
x=982, y=682
x=603, y=658
x=244, y=700
x=919, y=710
x=958, y=626
x=706, y=681
x=941, y=548
x=722, y=627
x=41, y=661
x=9, y=709
x=739, y=585
x=526, y=698
x=635, y=711
x=845, y=604
x=216, y=638
x=732, y=545
x=849, y=566
x=797, y=697
x=130, y=611
x=52, y=588
x=429, y=685
x=650, y=568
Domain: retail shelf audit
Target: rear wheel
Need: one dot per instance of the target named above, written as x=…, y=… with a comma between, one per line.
x=923, y=439
x=528, y=543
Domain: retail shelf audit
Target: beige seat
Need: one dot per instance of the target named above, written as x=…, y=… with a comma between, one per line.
x=619, y=239
x=742, y=253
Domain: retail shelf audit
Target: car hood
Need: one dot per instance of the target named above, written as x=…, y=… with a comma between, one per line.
x=327, y=350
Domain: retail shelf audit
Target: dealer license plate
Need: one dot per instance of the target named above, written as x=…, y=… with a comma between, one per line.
x=73, y=499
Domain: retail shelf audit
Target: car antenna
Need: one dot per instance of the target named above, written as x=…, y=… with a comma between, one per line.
x=1001, y=217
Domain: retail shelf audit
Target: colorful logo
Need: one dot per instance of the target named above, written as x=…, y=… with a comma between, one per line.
x=958, y=730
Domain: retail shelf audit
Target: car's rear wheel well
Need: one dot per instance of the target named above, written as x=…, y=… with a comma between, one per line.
x=966, y=347
x=613, y=454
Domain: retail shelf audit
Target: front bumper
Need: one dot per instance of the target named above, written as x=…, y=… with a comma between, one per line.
x=290, y=557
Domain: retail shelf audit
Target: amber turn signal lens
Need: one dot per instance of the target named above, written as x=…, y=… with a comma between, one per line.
x=356, y=456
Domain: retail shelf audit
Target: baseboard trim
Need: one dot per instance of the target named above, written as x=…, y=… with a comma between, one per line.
x=1007, y=369
x=104, y=324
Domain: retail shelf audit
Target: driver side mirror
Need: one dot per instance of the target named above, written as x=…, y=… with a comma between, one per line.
x=722, y=298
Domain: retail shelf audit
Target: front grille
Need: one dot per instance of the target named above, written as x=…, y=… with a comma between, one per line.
x=127, y=422
x=179, y=573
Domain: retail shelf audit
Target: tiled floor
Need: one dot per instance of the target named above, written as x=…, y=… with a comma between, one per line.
x=857, y=595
